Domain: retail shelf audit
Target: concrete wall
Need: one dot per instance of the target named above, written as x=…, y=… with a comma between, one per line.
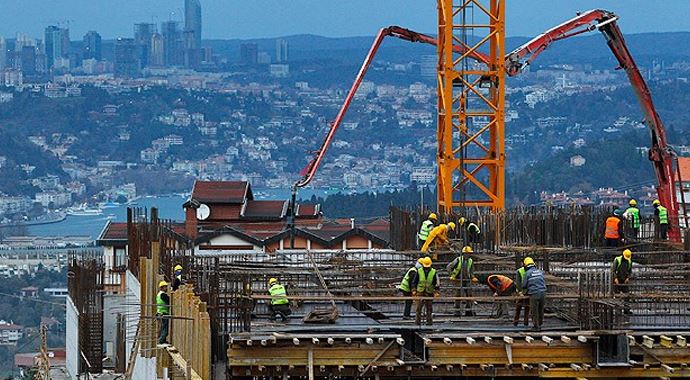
x=72, y=339
x=144, y=369
x=113, y=305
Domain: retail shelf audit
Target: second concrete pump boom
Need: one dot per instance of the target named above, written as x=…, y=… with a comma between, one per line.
x=659, y=153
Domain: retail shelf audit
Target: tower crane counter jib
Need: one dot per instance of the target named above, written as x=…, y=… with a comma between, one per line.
x=660, y=153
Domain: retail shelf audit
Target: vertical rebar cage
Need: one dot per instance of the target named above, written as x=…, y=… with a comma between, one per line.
x=471, y=104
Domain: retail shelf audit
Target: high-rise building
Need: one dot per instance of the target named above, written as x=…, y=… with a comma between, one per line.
x=28, y=60
x=172, y=43
x=92, y=46
x=142, y=36
x=157, y=53
x=56, y=43
x=126, y=58
x=249, y=53
x=192, y=21
x=281, y=50
x=3, y=53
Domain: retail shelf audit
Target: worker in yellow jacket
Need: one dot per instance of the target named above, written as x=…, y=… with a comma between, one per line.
x=438, y=236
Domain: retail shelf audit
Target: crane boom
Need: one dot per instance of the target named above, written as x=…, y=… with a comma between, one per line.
x=660, y=153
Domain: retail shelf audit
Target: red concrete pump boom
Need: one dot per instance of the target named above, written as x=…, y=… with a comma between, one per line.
x=660, y=153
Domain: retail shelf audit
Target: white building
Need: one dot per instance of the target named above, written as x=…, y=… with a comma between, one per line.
x=10, y=333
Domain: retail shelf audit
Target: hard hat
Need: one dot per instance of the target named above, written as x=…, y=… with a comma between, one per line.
x=627, y=254
x=162, y=284
x=461, y=221
x=433, y=216
x=272, y=281
x=616, y=212
x=451, y=225
x=632, y=202
x=467, y=249
x=527, y=261
x=656, y=202
x=425, y=261
x=178, y=267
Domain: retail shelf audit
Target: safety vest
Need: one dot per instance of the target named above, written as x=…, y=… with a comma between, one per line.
x=505, y=282
x=427, y=226
x=635, y=212
x=663, y=214
x=458, y=267
x=405, y=283
x=520, y=277
x=612, y=228
x=618, y=260
x=425, y=284
x=161, y=307
x=278, y=295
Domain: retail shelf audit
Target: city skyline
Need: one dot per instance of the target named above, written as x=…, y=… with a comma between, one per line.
x=248, y=20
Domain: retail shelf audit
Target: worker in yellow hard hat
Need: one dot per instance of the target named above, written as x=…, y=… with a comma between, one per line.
x=469, y=231
x=426, y=228
x=632, y=215
x=177, y=277
x=621, y=270
x=522, y=304
x=661, y=217
x=425, y=283
x=406, y=288
x=438, y=237
x=534, y=284
x=163, y=312
x=279, y=305
x=461, y=271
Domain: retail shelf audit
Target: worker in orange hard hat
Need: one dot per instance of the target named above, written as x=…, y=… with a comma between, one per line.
x=661, y=216
x=425, y=283
x=438, y=237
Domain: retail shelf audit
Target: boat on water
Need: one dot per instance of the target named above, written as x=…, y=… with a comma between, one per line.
x=84, y=210
x=109, y=204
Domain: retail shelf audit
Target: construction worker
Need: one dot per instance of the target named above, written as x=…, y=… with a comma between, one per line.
x=425, y=229
x=471, y=234
x=461, y=269
x=438, y=236
x=280, y=305
x=524, y=303
x=425, y=283
x=163, y=312
x=632, y=214
x=613, y=230
x=405, y=289
x=535, y=284
x=621, y=269
x=661, y=214
x=177, y=281
x=502, y=286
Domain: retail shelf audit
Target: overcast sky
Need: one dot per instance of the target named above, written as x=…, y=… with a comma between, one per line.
x=270, y=18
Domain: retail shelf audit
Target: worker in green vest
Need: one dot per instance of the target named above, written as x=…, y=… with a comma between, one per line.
x=632, y=214
x=461, y=269
x=279, y=305
x=469, y=231
x=177, y=281
x=163, y=312
x=406, y=290
x=425, y=229
x=425, y=283
x=522, y=304
x=621, y=271
x=661, y=214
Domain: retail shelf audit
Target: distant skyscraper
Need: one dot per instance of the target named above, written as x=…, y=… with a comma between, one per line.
x=172, y=43
x=28, y=60
x=92, y=46
x=56, y=43
x=157, y=53
x=192, y=21
x=3, y=53
x=126, y=58
x=249, y=53
x=281, y=50
x=142, y=36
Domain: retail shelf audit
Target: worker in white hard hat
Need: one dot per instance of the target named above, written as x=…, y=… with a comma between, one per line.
x=163, y=312
x=177, y=277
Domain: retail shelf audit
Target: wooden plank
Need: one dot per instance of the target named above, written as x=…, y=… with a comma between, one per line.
x=180, y=363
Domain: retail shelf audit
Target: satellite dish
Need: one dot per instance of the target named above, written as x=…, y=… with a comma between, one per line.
x=203, y=212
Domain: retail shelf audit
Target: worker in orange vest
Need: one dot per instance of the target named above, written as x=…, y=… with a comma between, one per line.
x=501, y=285
x=613, y=229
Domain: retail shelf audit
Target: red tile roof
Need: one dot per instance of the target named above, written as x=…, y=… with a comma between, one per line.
x=308, y=210
x=113, y=231
x=684, y=167
x=221, y=191
x=261, y=210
